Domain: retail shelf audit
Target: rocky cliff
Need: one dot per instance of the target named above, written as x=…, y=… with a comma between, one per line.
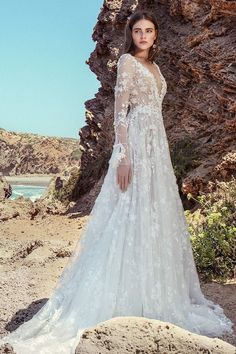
x=34, y=154
x=197, y=58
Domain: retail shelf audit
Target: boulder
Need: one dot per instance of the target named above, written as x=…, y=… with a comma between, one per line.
x=125, y=335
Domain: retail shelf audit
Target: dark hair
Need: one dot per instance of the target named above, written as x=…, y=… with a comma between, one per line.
x=128, y=45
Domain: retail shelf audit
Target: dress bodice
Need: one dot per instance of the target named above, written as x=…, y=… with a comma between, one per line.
x=145, y=90
x=136, y=89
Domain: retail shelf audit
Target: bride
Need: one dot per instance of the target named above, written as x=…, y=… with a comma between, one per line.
x=134, y=257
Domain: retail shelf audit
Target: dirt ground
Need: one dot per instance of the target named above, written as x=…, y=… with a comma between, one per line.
x=33, y=254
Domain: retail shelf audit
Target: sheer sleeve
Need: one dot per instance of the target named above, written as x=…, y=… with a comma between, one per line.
x=124, y=79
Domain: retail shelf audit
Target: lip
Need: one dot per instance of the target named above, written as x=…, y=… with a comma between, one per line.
x=143, y=42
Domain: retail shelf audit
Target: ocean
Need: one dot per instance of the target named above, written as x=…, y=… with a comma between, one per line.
x=27, y=191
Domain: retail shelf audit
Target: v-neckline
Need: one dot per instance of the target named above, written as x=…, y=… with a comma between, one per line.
x=152, y=75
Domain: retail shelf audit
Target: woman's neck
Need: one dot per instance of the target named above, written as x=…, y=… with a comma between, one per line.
x=143, y=57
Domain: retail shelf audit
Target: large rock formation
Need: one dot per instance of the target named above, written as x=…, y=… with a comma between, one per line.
x=125, y=335
x=197, y=58
x=22, y=153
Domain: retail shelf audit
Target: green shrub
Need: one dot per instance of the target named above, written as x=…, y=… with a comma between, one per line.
x=212, y=230
x=184, y=157
x=64, y=193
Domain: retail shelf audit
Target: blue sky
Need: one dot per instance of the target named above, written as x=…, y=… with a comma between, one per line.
x=44, y=80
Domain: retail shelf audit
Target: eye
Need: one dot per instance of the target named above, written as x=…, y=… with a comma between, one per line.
x=149, y=30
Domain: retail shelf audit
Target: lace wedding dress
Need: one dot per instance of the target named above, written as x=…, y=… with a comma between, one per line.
x=134, y=257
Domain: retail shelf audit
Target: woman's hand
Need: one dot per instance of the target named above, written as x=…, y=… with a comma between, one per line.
x=124, y=175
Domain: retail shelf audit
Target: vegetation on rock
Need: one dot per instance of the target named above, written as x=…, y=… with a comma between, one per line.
x=212, y=230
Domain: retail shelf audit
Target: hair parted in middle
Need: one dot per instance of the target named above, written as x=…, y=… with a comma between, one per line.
x=128, y=45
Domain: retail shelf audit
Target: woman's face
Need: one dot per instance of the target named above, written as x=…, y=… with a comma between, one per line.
x=143, y=34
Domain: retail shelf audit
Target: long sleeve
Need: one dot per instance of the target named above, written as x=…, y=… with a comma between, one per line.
x=125, y=71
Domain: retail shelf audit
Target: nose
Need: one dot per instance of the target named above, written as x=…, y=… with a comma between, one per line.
x=143, y=35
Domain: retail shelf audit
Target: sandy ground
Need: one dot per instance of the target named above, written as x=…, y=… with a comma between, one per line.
x=33, y=180
x=33, y=254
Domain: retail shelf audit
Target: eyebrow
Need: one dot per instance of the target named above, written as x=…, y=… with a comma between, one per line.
x=146, y=28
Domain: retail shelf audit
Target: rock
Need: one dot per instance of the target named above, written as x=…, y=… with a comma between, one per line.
x=20, y=207
x=23, y=153
x=7, y=212
x=27, y=249
x=56, y=198
x=5, y=188
x=125, y=335
x=197, y=58
x=62, y=253
x=7, y=348
x=226, y=166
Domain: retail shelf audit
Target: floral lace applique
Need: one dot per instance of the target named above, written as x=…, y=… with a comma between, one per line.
x=135, y=88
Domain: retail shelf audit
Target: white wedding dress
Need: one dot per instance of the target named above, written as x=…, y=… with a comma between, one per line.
x=134, y=257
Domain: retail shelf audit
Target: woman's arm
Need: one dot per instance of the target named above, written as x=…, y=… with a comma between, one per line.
x=125, y=71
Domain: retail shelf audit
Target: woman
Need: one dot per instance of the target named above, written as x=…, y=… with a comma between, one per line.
x=135, y=256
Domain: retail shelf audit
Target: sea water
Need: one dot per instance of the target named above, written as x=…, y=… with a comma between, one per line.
x=27, y=191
